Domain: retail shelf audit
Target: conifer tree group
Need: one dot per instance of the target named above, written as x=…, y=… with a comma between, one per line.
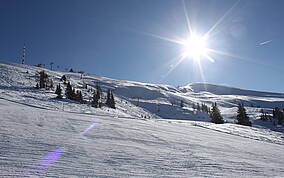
x=43, y=80
x=110, y=99
x=72, y=94
x=95, y=100
x=97, y=95
x=201, y=107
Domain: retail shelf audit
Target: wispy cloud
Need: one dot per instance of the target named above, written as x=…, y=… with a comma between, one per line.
x=265, y=42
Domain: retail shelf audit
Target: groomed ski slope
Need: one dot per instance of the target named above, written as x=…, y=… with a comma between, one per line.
x=120, y=147
x=41, y=136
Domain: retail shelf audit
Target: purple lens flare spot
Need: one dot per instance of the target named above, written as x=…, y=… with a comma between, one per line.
x=51, y=158
x=94, y=123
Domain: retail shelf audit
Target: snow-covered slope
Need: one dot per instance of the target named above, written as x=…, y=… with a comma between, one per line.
x=43, y=136
x=154, y=100
x=225, y=90
x=42, y=142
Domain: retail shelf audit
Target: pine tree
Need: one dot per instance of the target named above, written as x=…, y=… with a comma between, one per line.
x=181, y=103
x=99, y=95
x=242, y=117
x=277, y=114
x=58, y=91
x=69, y=91
x=73, y=95
x=63, y=78
x=99, y=91
x=281, y=118
x=79, y=96
x=204, y=108
x=216, y=115
x=198, y=107
x=95, y=100
x=112, y=101
x=193, y=106
x=108, y=100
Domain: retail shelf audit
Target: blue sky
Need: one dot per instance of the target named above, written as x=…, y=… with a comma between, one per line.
x=111, y=38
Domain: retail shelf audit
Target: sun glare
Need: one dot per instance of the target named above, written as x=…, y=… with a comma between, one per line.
x=195, y=47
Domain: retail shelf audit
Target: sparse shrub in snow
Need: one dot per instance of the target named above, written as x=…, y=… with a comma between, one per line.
x=242, y=117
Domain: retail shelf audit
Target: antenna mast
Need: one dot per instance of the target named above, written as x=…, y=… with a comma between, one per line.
x=24, y=55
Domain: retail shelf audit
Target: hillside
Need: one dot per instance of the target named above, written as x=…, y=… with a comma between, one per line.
x=44, y=136
x=149, y=97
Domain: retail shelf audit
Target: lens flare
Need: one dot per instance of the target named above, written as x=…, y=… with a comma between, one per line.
x=90, y=127
x=50, y=159
x=195, y=47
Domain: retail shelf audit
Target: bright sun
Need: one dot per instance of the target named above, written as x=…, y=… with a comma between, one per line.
x=195, y=47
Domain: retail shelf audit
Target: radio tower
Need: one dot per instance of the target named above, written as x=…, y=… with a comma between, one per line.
x=24, y=55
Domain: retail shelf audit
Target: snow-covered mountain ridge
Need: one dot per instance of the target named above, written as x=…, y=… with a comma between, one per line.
x=154, y=100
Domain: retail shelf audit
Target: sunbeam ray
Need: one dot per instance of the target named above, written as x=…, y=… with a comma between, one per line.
x=207, y=34
x=173, y=66
x=188, y=23
x=201, y=73
x=181, y=42
x=209, y=58
x=226, y=54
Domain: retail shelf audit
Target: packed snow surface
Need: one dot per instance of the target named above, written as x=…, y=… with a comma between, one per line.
x=41, y=136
